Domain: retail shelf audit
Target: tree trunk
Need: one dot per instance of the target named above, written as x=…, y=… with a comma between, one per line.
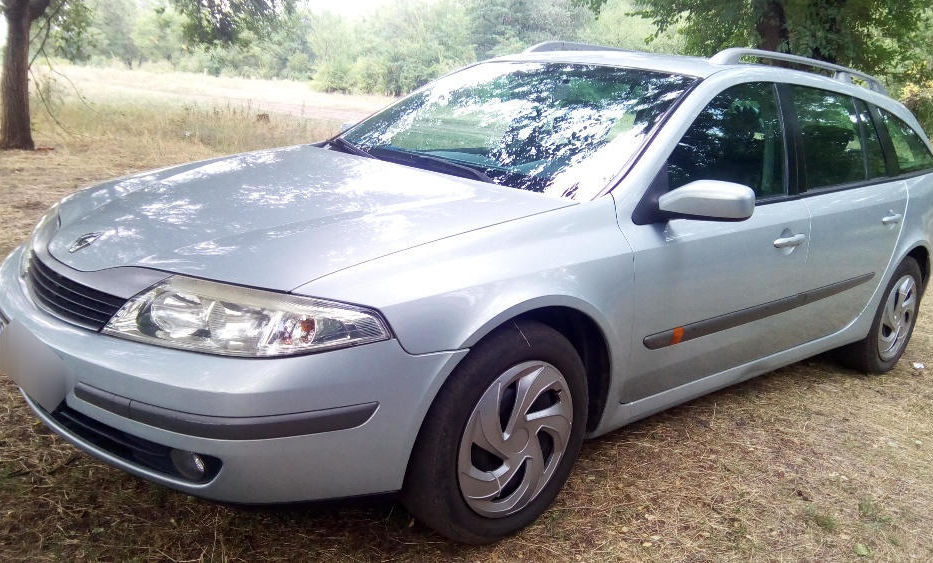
x=772, y=26
x=15, y=129
x=15, y=132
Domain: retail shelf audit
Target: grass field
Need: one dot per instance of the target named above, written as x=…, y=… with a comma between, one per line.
x=809, y=462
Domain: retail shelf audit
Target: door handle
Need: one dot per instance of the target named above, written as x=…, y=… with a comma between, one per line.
x=892, y=219
x=787, y=242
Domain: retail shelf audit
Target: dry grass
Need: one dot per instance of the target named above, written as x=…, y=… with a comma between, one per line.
x=116, y=85
x=809, y=462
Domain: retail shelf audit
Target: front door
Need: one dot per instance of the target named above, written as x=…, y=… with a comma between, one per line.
x=712, y=295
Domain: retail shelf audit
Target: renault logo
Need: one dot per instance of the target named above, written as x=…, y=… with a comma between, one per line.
x=83, y=241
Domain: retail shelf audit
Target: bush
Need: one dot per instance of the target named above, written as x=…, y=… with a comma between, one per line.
x=193, y=61
x=333, y=76
x=367, y=75
x=298, y=67
x=919, y=99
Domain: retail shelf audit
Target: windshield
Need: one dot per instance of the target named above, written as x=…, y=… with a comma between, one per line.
x=555, y=128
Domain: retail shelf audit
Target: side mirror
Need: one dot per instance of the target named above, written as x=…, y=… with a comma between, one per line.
x=709, y=200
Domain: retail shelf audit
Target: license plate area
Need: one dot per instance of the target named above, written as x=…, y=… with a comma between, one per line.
x=33, y=366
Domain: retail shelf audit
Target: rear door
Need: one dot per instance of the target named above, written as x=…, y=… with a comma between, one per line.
x=856, y=207
x=706, y=292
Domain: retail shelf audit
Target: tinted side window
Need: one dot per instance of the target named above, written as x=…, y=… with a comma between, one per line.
x=737, y=138
x=874, y=154
x=912, y=153
x=831, y=140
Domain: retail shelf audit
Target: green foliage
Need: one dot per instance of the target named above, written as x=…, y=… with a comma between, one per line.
x=67, y=29
x=873, y=35
x=215, y=21
x=869, y=34
x=112, y=29
x=918, y=97
x=618, y=26
x=409, y=42
x=158, y=34
x=402, y=46
x=298, y=66
x=918, y=57
x=499, y=27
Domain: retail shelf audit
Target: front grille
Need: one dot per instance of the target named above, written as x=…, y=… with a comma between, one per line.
x=127, y=447
x=65, y=298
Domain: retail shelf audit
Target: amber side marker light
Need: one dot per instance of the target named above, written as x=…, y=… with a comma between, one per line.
x=677, y=336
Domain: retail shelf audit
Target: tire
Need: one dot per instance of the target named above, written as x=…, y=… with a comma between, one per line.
x=447, y=465
x=892, y=325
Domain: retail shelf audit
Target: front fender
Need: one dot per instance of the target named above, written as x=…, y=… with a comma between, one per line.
x=448, y=294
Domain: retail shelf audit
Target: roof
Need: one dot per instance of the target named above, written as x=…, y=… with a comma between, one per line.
x=581, y=53
x=677, y=64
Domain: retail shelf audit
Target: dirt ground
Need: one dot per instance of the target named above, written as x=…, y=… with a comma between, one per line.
x=809, y=462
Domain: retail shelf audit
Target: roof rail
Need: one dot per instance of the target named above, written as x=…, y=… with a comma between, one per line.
x=568, y=46
x=841, y=73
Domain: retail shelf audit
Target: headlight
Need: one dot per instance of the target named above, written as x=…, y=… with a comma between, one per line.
x=50, y=215
x=228, y=320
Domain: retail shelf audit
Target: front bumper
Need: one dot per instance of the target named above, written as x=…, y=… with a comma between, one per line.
x=274, y=424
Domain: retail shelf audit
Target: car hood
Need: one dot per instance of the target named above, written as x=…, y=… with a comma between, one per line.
x=278, y=218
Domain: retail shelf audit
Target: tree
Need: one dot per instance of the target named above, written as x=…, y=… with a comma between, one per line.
x=504, y=26
x=207, y=21
x=15, y=131
x=411, y=43
x=68, y=28
x=113, y=23
x=873, y=35
x=222, y=21
x=400, y=47
x=616, y=25
x=158, y=33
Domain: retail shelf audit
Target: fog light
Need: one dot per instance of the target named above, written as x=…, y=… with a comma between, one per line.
x=190, y=465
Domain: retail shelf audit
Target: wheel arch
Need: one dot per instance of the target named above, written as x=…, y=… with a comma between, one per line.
x=583, y=326
x=590, y=343
x=921, y=253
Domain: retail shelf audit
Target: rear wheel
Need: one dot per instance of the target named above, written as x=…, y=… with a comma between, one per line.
x=500, y=439
x=893, y=323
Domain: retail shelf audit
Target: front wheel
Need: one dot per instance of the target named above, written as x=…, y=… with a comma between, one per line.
x=893, y=323
x=500, y=439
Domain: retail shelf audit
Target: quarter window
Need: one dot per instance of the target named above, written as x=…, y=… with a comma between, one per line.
x=912, y=153
x=831, y=140
x=737, y=138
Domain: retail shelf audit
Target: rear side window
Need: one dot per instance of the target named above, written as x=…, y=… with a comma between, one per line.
x=831, y=139
x=874, y=154
x=912, y=153
x=736, y=138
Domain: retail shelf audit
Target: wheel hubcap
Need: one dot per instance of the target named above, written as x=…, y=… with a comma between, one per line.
x=514, y=439
x=900, y=309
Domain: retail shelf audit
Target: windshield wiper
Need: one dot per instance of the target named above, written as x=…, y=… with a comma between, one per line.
x=436, y=163
x=346, y=146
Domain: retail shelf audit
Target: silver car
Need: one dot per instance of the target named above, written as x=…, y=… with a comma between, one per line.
x=448, y=297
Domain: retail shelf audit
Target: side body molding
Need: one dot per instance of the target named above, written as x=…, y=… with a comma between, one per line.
x=731, y=320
